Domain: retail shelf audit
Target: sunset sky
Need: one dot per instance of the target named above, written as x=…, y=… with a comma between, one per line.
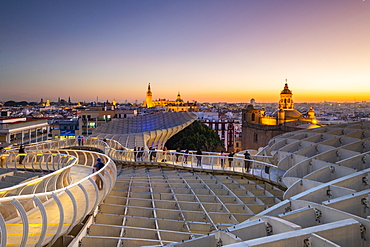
x=208, y=50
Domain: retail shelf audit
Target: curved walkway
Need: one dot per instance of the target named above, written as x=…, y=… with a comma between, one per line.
x=326, y=203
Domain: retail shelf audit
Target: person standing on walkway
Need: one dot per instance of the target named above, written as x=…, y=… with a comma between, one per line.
x=79, y=139
x=152, y=154
x=82, y=140
x=177, y=154
x=247, y=162
x=199, y=157
x=186, y=154
x=231, y=155
x=141, y=154
x=222, y=157
x=21, y=151
x=99, y=165
x=164, y=154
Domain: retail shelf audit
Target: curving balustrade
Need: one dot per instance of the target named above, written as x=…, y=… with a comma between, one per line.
x=213, y=162
x=38, y=211
x=44, y=166
x=326, y=204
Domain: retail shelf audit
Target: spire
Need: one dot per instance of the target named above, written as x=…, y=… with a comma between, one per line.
x=148, y=87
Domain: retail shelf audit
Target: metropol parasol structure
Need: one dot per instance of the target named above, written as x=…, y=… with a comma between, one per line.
x=305, y=188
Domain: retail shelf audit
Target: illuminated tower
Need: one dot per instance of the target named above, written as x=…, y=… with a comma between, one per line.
x=286, y=99
x=148, y=101
x=263, y=112
x=178, y=99
x=311, y=113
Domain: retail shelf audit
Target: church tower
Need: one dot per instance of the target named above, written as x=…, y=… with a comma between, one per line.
x=178, y=99
x=311, y=113
x=148, y=101
x=286, y=99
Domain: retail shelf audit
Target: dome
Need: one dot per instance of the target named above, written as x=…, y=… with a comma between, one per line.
x=286, y=90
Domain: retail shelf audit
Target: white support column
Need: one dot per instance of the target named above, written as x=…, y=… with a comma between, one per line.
x=35, y=135
x=29, y=135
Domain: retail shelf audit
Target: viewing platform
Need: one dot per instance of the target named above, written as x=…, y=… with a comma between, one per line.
x=308, y=187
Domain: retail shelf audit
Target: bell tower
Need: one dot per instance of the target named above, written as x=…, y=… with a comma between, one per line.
x=178, y=99
x=148, y=100
x=286, y=98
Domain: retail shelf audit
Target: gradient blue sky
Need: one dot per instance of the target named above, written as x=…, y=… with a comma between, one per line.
x=206, y=50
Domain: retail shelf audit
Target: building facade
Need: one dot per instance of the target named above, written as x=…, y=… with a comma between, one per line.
x=258, y=128
x=170, y=105
x=23, y=130
x=225, y=130
x=65, y=128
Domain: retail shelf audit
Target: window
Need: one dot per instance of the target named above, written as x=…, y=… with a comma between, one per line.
x=255, y=137
x=253, y=117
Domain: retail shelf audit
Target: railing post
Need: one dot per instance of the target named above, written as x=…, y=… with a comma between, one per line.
x=74, y=204
x=96, y=193
x=86, y=199
x=24, y=217
x=44, y=221
x=3, y=231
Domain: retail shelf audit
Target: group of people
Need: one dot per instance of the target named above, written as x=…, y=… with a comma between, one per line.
x=180, y=155
x=80, y=140
x=247, y=157
x=139, y=154
x=247, y=161
x=230, y=158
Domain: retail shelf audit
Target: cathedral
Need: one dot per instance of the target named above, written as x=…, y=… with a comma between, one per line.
x=258, y=128
x=174, y=106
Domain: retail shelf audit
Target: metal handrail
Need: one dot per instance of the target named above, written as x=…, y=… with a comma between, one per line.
x=69, y=202
x=11, y=164
x=61, y=204
x=258, y=169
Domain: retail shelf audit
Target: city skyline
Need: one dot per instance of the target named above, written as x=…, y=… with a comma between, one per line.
x=209, y=51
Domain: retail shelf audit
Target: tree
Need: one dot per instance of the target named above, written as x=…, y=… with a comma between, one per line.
x=196, y=135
